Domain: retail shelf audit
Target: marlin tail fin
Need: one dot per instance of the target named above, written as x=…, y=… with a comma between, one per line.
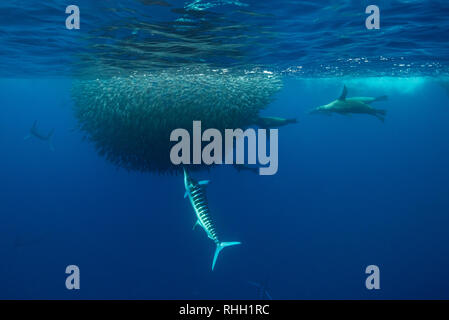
x=221, y=246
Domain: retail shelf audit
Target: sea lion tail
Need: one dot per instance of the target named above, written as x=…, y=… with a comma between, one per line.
x=380, y=114
x=381, y=98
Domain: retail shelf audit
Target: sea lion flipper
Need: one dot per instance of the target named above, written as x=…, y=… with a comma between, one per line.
x=343, y=94
x=381, y=98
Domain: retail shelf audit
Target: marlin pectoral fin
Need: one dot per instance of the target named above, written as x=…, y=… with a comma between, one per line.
x=343, y=94
x=197, y=223
x=204, y=182
x=27, y=137
x=186, y=194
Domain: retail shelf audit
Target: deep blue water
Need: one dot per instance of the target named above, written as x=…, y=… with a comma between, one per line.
x=350, y=191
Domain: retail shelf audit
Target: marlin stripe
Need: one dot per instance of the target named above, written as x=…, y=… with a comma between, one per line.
x=200, y=205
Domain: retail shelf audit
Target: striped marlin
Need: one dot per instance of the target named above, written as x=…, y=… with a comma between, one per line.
x=197, y=195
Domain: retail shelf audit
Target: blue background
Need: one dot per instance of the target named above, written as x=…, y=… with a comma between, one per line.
x=350, y=192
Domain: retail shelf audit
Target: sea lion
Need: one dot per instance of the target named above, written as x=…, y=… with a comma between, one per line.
x=272, y=122
x=347, y=106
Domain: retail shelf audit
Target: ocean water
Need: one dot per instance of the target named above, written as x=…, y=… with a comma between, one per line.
x=351, y=191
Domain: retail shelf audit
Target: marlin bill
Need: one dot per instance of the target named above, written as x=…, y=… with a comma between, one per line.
x=196, y=192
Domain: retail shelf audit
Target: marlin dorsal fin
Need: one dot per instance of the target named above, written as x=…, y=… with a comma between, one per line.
x=343, y=94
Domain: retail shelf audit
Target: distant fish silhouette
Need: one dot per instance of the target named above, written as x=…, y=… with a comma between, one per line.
x=40, y=136
x=262, y=290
